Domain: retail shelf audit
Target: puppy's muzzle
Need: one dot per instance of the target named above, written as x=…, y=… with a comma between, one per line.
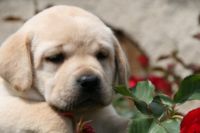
x=89, y=83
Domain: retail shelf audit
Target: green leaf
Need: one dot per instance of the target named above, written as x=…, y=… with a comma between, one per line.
x=171, y=125
x=166, y=100
x=142, y=107
x=144, y=91
x=140, y=125
x=123, y=90
x=168, y=126
x=189, y=89
x=156, y=107
x=156, y=128
x=194, y=96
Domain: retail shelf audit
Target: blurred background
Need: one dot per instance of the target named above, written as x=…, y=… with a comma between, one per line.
x=158, y=27
x=161, y=38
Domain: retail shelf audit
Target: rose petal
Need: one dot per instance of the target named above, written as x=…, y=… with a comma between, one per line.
x=191, y=122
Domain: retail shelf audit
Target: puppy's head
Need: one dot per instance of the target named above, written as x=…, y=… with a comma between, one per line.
x=65, y=56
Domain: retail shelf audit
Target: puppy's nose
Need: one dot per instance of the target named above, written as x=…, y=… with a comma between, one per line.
x=89, y=82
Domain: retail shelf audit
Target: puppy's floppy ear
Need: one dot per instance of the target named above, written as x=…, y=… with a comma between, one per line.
x=15, y=62
x=121, y=63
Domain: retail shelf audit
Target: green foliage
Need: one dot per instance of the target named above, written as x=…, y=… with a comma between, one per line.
x=166, y=100
x=121, y=89
x=143, y=97
x=155, y=110
x=168, y=126
x=140, y=125
x=156, y=106
x=144, y=91
x=148, y=124
x=189, y=89
x=156, y=113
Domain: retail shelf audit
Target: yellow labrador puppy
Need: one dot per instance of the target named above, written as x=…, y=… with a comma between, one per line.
x=67, y=58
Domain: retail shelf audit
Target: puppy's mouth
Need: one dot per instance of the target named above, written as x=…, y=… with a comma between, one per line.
x=85, y=103
x=82, y=103
x=89, y=102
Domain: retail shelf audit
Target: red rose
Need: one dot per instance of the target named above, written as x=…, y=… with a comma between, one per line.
x=161, y=84
x=191, y=122
x=143, y=60
x=84, y=127
x=133, y=81
x=87, y=128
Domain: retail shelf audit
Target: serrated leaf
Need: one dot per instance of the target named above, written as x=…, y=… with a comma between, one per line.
x=140, y=125
x=189, y=89
x=144, y=91
x=123, y=90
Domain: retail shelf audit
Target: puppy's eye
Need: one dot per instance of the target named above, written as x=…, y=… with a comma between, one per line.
x=57, y=58
x=102, y=55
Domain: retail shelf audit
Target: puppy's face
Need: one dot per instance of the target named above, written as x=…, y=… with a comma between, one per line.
x=74, y=57
x=76, y=71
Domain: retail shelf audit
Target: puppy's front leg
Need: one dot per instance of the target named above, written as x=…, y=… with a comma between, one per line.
x=19, y=116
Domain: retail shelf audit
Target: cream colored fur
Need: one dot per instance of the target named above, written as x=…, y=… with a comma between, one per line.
x=32, y=86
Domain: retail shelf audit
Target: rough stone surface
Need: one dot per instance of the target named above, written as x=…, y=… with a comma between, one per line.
x=23, y=9
x=160, y=26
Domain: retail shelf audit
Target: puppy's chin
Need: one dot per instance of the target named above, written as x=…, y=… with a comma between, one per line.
x=84, y=104
x=87, y=105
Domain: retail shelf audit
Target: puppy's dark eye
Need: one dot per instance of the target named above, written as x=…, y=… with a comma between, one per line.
x=102, y=55
x=57, y=58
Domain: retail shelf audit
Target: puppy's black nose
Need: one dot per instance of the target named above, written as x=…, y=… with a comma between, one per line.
x=89, y=82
